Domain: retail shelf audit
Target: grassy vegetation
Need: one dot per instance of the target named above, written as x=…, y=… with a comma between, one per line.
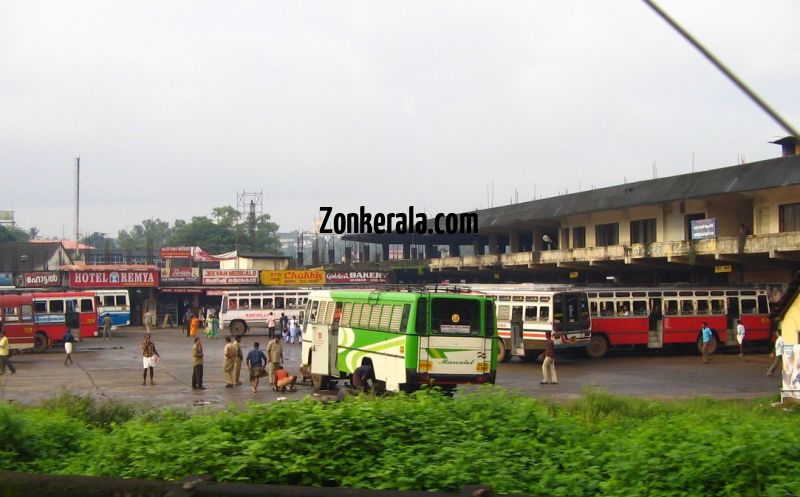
x=600, y=445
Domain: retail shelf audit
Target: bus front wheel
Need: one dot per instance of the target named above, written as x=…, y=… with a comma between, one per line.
x=319, y=381
x=503, y=355
x=238, y=328
x=598, y=347
x=40, y=342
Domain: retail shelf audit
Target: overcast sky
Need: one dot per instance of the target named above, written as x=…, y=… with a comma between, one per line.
x=175, y=106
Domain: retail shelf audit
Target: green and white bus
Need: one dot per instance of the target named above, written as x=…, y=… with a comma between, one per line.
x=411, y=339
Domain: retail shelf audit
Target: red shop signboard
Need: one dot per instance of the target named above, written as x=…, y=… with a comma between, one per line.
x=113, y=279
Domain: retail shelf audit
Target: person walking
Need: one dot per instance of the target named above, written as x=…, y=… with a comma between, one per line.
x=149, y=358
x=149, y=320
x=69, y=341
x=274, y=356
x=237, y=362
x=548, y=357
x=740, y=332
x=256, y=362
x=708, y=336
x=214, y=323
x=229, y=353
x=271, y=325
x=107, y=323
x=197, y=365
x=777, y=353
x=294, y=330
x=187, y=319
x=5, y=354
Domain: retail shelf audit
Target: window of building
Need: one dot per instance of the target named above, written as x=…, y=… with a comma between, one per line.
x=607, y=235
x=687, y=228
x=643, y=231
x=789, y=217
x=579, y=237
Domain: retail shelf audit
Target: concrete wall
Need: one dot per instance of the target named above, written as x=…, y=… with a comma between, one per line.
x=766, y=208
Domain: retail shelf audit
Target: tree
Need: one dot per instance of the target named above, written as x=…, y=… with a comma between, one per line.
x=33, y=232
x=13, y=234
x=205, y=233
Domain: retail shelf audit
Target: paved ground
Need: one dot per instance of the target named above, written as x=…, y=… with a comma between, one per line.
x=112, y=369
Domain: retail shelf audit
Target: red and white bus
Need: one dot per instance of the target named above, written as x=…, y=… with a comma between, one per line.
x=657, y=317
x=525, y=312
x=38, y=320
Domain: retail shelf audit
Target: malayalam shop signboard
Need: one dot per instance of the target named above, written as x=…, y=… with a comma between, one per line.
x=230, y=276
x=180, y=275
x=351, y=277
x=113, y=279
x=38, y=279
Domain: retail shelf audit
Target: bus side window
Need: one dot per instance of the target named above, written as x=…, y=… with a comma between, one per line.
x=593, y=308
x=108, y=300
x=763, y=304
x=27, y=313
x=268, y=304
x=231, y=303
x=531, y=313
x=312, y=317
x=623, y=309
x=122, y=301
x=422, y=317
x=640, y=308
x=87, y=305
x=702, y=306
x=279, y=302
x=671, y=308
x=717, y=306
x=748, y=306
x=544, y=313
x=56, y=307
x=291, y=303
x=687, y=307
x=606, y=308
x=489, y=316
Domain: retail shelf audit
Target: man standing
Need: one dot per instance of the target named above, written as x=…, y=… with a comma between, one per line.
x=149, y=357
x=256, y=361
x=777, y=353
x=549, y=361
x=271, y=324
x=107, y=327
x=274, y=356
x=5, y=354
x=69, y=341
x=237, y=363
x=227, y=362
x=148, y=320
x=740, y=331
x=707, y=342
x=197, y=365
x=187, y=318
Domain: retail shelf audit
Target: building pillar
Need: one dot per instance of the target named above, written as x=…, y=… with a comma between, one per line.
x=406, y=251
x=385, y=251
x=493, y=245
x=455, y=250
x=430, y=251
x=513, y=241
x=536, y=245
x=478, y=246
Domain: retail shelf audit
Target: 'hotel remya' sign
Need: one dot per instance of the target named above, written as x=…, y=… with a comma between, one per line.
x=113, y=279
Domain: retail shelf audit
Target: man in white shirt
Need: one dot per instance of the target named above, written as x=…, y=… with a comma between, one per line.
x=778, y=355
x=740, y=336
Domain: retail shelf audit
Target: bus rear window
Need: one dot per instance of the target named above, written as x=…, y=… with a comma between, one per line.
x=455, y=316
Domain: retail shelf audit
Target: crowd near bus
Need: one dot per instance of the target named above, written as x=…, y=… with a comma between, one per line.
x=241, y=310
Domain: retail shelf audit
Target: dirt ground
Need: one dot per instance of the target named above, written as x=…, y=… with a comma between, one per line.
x=113, y=369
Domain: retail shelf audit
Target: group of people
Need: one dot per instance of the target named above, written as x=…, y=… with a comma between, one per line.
x=194, y=322
x=289, y=328
x=258, y=363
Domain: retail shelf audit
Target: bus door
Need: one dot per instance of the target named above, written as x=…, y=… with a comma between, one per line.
x=517, y=339
x=71, y=314
x=422, y=329
x=656, y=321
x=733, y=312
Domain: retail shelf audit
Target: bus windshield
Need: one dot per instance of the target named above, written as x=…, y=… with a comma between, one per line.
x=456, y=317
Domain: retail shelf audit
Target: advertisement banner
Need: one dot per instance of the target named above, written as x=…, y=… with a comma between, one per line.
x=196, y=291
x=176, y=252
x=290, y=277
x=703, y=229
x=6, y=279
x=791, y=372
x=38, y=279
x=113, y=279
x=180, y=275
x=350, y=277
x=230, y=276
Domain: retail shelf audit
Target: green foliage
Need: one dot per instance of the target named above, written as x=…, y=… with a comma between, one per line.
x=13, y=234
x=598, y=445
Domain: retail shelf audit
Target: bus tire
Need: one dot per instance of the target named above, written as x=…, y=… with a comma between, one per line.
x=238, y=327
x=714, y=344
x=319, y=381
x=598, y=347
x=40, y=342
x=503, y=355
